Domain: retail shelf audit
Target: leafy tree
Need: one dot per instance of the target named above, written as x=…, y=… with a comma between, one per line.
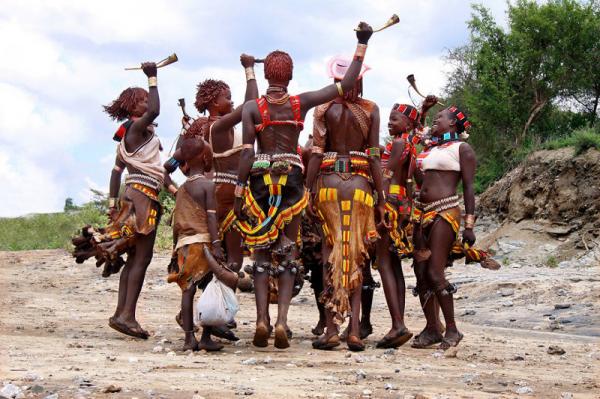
x=529, y=83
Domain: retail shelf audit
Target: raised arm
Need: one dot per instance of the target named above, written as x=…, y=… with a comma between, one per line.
x=233, y=118
x=246, y=157
x=139, y=126
x=311, y=99
x=468, y=164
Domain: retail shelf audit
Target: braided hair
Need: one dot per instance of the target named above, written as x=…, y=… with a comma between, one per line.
x=122, y=107
x=279, y=66
x=207, y=92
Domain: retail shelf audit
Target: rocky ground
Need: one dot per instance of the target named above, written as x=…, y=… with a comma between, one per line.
x=530, y=330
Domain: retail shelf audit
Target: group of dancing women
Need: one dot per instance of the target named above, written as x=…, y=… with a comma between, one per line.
x=335, y=208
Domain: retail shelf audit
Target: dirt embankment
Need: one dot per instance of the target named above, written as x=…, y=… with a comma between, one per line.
x=552, y=195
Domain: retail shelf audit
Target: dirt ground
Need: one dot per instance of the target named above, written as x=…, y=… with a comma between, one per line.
x=54, y=339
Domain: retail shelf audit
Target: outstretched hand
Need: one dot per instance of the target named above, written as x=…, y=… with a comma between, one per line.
x=364, y=32
x=149, y=69
x=247, y=60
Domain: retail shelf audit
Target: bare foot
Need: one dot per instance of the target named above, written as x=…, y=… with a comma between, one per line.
x=355, y=344
x=366, y=329
x=319, y=328
x=190, y=343
x=261, y=335
x=281, y=337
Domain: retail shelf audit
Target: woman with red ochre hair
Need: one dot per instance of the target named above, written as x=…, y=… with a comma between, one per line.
x=134, y=215
x=270, y=183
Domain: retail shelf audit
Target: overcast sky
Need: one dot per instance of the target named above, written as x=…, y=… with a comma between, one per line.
x=63, y=59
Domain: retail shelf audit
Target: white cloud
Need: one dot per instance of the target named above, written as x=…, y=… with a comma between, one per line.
x=64, y=59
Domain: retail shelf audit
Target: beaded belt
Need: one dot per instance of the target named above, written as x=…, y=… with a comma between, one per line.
x=224, y=177
x=145, y=180
x=356, y=162
x=276, y=162
x=439, y=205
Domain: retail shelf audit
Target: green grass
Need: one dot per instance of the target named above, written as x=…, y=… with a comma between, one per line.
x=552, y=261
x=581, y=139
x=55, y=230
x=46, y=231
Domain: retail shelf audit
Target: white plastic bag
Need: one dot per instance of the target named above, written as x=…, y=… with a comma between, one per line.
x=217, y=305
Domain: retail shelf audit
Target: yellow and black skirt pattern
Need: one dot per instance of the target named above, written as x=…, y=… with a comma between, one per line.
x=349, y=227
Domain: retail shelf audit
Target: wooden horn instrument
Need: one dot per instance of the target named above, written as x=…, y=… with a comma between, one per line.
x=413, y=83
x=164, y=62
x=394, y=19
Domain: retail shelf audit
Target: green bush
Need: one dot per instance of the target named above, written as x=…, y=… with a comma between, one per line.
x=581, y=139
x=46, y=231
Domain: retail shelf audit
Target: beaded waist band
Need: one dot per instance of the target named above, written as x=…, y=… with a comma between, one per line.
x=355, y=161
x=224, y=177
x=279, y=163
x=145, y=180
x=439, y=205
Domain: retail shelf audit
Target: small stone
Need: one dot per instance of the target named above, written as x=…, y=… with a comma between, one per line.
x=389, y=351
x=31, y=376
x=37, y=389
x=451, y=352
x=518, y=358
x=157, y=349
x=111, y=358
x=566, y=395
x=438, y=354
x=507, y=292
x=239, y=343
x=10, y=391
x=249, y=362
x=469, y=378
x=52, y=396
x=359, y=359
x=556, y=350
x=133, y=359
x=267, y=360
x=594, y=355
x=507, y=304
x=562, y=306
x=348, y=354
x=524, y=390
x=360, y=374
x=367, y=392
x=468, y=312
x=389, y=387
x=112, y=389
x=171, y=354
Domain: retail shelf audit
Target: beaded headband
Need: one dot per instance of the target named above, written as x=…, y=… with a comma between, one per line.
x=462, y=120
x=408, y=110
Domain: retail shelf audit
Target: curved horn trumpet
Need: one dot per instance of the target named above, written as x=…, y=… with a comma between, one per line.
x=394, y=19
x=412, y=82
x=164, y=62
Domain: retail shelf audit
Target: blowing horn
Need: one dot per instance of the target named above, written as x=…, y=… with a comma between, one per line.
x=394, y=19
x=164, y=62
x=413, y=83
